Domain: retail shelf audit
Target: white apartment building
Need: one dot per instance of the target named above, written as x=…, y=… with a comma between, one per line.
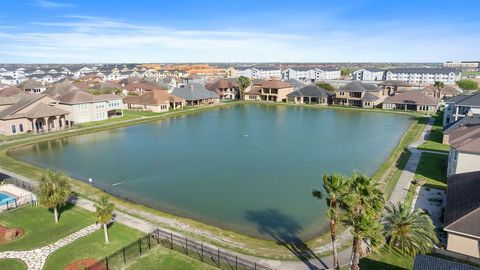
x=464, y=65
x=368, y=74
x=310, y=74
x=424, y=75
x=259, y=72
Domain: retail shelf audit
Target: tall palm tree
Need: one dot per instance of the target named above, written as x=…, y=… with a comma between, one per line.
x=409, y=231
x=104, y=214
x=53, y=191
x=336, y=187
x=364, y=204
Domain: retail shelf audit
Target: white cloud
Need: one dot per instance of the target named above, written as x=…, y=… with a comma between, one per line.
x=95, y=39
x=47, y=4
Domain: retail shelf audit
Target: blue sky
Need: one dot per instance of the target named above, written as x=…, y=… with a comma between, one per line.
x=46, y=31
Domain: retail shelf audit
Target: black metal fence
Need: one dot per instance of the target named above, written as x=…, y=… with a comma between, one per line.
x=18, y=201
x=193, y=249
x=20, y=183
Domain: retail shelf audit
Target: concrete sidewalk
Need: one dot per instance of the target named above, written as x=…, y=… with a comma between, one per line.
x=400, y=191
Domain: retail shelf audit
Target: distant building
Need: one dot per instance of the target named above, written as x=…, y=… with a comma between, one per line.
x=32, y=86
x=268, y=72
x=424, y=75
x=463, y=65
x=370, y=74
x=308, y=74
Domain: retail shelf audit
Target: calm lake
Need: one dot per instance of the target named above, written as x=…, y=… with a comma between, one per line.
x=249, y=168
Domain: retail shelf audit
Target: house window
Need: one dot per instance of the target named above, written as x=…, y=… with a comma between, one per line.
x=14, y=129
x=20, y=127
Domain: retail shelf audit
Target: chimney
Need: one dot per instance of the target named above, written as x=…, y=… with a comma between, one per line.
x=191, y=87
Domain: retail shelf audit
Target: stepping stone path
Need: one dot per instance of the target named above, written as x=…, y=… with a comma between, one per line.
x=35, y=259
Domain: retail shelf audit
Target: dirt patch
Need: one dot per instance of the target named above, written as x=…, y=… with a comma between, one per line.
x=82, y=264
x=9, y=234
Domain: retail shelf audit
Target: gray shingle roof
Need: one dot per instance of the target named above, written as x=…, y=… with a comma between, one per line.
x=470, y=100
x=357, y=86
x=463, y=203
x=369, y=97
x=412, y=97
x=462, y=122
x=310, y=91
x=424, y=262
x=194, y=91
x=24, y=102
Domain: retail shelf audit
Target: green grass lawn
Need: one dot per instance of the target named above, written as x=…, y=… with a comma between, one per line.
x=12, y=264
x=39, y=225
x=165, y=259
x=432, y=169
x=434, y=141
x=93, y=246
x=386, y=260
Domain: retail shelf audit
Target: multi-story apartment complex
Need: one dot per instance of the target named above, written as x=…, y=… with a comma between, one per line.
x=259, y=72
x=463, y=65
x=308, y=74
x=424, y=75
x=370, y=74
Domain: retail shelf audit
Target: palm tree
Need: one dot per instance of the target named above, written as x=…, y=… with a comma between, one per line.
x=409, y=231
x=243, y=82
x=363, y=206
x=53, y=191
x=104, y=214
x=336, y=187
x=439, y=85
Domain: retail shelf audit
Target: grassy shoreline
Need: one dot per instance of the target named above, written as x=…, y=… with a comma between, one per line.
x=237, y=242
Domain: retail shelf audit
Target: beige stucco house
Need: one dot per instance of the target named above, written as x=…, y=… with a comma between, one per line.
x=224, y=88
x=464, y=153
x=85, y=107
x=310, y=94
x=462, y=214
x=35, y=113
x=417, y=101
x=154, y=101
x=359, y=94
x=269, y=90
